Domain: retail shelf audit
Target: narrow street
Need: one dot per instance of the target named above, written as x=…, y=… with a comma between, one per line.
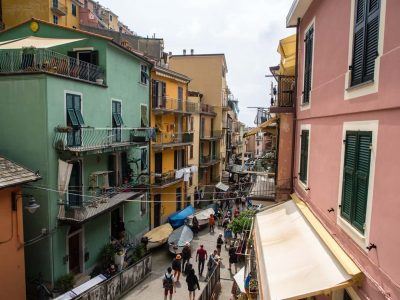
x=151, y=287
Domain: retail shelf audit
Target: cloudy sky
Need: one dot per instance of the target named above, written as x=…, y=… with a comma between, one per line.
x=246, y=31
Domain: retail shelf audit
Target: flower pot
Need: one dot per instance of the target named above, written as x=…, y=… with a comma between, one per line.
x=99, y=80
x=119, y=260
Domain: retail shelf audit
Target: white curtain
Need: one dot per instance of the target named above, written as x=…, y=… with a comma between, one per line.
x=64, y=175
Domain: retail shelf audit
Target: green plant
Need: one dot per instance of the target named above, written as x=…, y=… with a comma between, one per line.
x=107, y=255
x=242, y=222
x=65, y=283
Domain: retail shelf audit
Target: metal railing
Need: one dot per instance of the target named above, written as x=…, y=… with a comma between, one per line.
x=211, y=290
x=206, y=108
x=43, y=60
x=165, y=103
x=58, y=8
x=161, y=179
x=87, y=139
x=212, y=134
x=173, y=138
x=209, y=159
x=283, y=93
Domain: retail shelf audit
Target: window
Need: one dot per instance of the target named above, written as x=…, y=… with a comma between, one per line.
x=180, y=93
x=111, y=18
x=74, y=119
x=356, y=170
x=346, y=295
x=179, y=159
x=117, y=121
x=190, y=181
x=143, y=159
x=144, y=120
x=304, y=156
x=191, y=152
x=144, y=77
x=73, y=9
x=365, y=40
x=191, y=123
x=55, y=19
x=178, y=199
x=143, y=204
x=308, y=59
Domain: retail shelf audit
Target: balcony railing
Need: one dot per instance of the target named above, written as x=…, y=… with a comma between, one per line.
x=91, y=139
x=209, y=159
x=211, y=135
x=30, y=60
x=87, y=207
x=207, y=109
x=58, y=8
x=166, y=178
x=167, y=104
x=171, y=139
x=283, y=93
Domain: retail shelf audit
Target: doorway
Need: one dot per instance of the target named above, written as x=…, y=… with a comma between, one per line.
x=75, y=243
x=158, y=163
x=75, y=184
x=157, y=210
x=178, y=199
x=117, y=223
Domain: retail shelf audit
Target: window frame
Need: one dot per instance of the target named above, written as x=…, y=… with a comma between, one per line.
x=304, y=186
x=115, y=117
x=144, y=69
x=360, y=239
x=147, y=115
x=305, y=106
x=55, y=19
x=144, y=170
x=73, y=9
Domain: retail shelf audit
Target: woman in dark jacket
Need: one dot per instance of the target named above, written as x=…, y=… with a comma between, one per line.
x=193, y=283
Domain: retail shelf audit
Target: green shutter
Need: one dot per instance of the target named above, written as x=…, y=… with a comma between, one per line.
x=362, y=178
x=308, y=44
x=356, y=177
x=304, y=155
x=371, y=43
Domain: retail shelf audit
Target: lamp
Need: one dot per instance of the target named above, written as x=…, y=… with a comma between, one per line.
x=32, y=205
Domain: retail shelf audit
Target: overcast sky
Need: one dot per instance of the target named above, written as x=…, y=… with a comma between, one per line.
x=246, y=31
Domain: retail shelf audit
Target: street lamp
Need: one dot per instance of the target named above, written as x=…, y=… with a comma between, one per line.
x=32, y=205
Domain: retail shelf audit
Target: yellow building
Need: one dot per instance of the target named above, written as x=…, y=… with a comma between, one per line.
x=208, y=75
x=61, y=12
x=170, y=116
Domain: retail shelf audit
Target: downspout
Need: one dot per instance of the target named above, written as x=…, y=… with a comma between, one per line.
x=295, y=106
x=150, y=147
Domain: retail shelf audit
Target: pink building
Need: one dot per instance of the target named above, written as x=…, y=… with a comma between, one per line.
x=347, y=132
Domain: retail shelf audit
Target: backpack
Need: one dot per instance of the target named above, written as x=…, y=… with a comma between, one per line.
x=167, y=282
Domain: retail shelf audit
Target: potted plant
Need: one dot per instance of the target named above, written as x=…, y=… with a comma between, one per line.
x=253, y=286
x=119, y=258
x=60, y=128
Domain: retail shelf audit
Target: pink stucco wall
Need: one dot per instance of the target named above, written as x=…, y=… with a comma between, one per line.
x=327, y=113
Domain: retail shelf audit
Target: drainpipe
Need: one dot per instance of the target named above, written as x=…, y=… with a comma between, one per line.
x=295, y=105
x=150, y=147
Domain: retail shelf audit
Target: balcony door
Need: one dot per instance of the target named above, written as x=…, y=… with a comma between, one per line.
x=75, y=249
x=157, y=210
x=158, y=162
x=75, y=184
x=178, y=199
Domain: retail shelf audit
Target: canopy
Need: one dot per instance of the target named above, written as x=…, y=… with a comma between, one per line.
x=287, y=50
x=222, y=186
x=239, y=278
x=297, y=258
x=180, y=236
x=178, y=219
x=36, y=42
x=261, y=127
x=159, y=233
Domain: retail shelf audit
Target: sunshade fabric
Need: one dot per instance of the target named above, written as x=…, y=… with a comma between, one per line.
x=287, y=50
x=178, y=219
x=261, y=127
x=180, y=236
x=294, y=262
x=36, y=42
x=239, y=278
x=159, y=233
x=222, y=186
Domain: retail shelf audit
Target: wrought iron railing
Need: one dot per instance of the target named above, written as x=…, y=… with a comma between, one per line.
x=206, y=108
x=283, y=93
x=175, y=105
x=161, y=179
x=209, y=159
x=87, y=139
x=173, y=138
x=214, y=134
x=58, y=8
x=210, y=291
x=43, y=60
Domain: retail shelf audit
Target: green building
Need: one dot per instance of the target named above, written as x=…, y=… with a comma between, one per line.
x=74, y=106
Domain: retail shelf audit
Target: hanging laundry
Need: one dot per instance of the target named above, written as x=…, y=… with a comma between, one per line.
x=179, y=173
x=193, y=169
x=186, y=175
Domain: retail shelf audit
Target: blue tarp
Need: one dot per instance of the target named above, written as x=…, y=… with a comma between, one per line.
x=178, y=219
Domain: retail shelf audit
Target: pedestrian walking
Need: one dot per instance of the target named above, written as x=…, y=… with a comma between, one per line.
x=212, y=263
x=168, y=284
x=177, y=267
x=195, y=226
x=228, y=236
x=186, y=255
x=220, y=242
x=193, y=283
x=211, y=223
x=233, y=258
x=201, y=256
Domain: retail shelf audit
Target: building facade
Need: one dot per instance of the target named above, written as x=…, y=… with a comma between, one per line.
x=171, y=117
x=61, y=12
x=82, y=103
x=12, y=200
x=347, y=129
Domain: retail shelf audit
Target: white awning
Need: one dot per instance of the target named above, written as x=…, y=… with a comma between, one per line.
x=239, y=278
x=222, y=186
x=36, y=42
x=296, y=258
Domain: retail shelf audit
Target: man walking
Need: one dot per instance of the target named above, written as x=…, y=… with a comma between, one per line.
x=201, y=256
x=213, y=262
x=186, y=255
x=168, y=284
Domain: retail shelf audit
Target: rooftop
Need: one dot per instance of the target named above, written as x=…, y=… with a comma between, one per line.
x=13, y=174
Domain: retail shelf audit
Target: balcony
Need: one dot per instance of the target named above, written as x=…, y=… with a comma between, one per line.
x=165, y=104
x=32, y=60
x=162, y=180
x=283, y=94
x=171, y=140
x=209, y=160
x=211, y=135
x=98, y=140
x=87, y=207
x=206, y=109
x=58, y=8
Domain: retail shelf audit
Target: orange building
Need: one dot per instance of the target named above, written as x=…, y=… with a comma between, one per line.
x=12, y=262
